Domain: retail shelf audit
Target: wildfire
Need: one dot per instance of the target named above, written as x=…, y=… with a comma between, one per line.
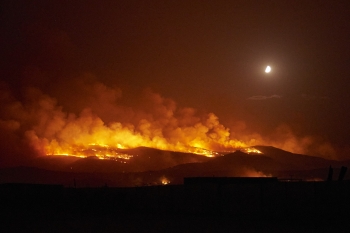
x=251, y=150
x=161, y=126
x=115, y=153
x=205, y=152
x=100, y=151
x=105, y=130
x=78, y=156
x=91, y=137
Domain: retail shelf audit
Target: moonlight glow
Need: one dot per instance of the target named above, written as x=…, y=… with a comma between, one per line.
x=268, y=69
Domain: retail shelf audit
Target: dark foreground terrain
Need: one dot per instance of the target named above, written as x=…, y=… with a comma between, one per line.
x=269, y=207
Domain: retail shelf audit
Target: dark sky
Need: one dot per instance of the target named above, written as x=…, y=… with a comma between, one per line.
x=208, y=55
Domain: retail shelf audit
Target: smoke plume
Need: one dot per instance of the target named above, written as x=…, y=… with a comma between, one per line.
x=87, y=112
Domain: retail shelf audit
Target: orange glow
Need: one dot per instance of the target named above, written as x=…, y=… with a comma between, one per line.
x=254, y=173
x=164, y=180
x=251, y=150
x=100, y=151
x=90, y=136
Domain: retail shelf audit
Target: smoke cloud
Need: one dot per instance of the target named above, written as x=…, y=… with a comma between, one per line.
x=39, y=124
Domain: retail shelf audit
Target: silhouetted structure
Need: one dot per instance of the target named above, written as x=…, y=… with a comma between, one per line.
x=229, y=180
x=342, y=173
x=330, y=174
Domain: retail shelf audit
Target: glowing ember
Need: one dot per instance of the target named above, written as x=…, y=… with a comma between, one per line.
x=78, y=156
x=251, y=150
x=201, y=151
x=107, y=152
x=100, y=151
x=164, y=180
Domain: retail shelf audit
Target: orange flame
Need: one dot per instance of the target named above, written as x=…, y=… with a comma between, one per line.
x=90, y=136
x=164, y=180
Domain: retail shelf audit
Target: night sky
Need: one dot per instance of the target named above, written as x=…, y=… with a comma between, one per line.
x=205, y=55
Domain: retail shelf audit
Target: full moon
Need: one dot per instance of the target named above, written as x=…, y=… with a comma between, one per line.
x=268, y=69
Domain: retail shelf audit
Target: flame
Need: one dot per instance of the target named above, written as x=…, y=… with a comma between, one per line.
x=100, y=151
x=89, y=135
x=164, y=180
x=251, y=150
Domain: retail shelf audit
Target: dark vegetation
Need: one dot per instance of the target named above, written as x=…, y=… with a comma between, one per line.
x=243, y=207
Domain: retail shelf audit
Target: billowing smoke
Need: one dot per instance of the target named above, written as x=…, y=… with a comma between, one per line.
x=88, y=112
x=43, y=125
x=285, y=138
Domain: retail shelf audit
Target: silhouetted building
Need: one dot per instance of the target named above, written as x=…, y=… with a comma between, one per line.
x=342, y=173
x=229, y=180
x=330, y=174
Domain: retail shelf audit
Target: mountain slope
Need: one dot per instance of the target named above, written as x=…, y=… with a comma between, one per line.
x=154, y=167
x=140, y=159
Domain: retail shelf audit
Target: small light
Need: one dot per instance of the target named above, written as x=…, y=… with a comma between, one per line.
x=268, y=69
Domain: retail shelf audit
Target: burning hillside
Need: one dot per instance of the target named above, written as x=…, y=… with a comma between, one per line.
x=47, y=128
x=103, y=125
